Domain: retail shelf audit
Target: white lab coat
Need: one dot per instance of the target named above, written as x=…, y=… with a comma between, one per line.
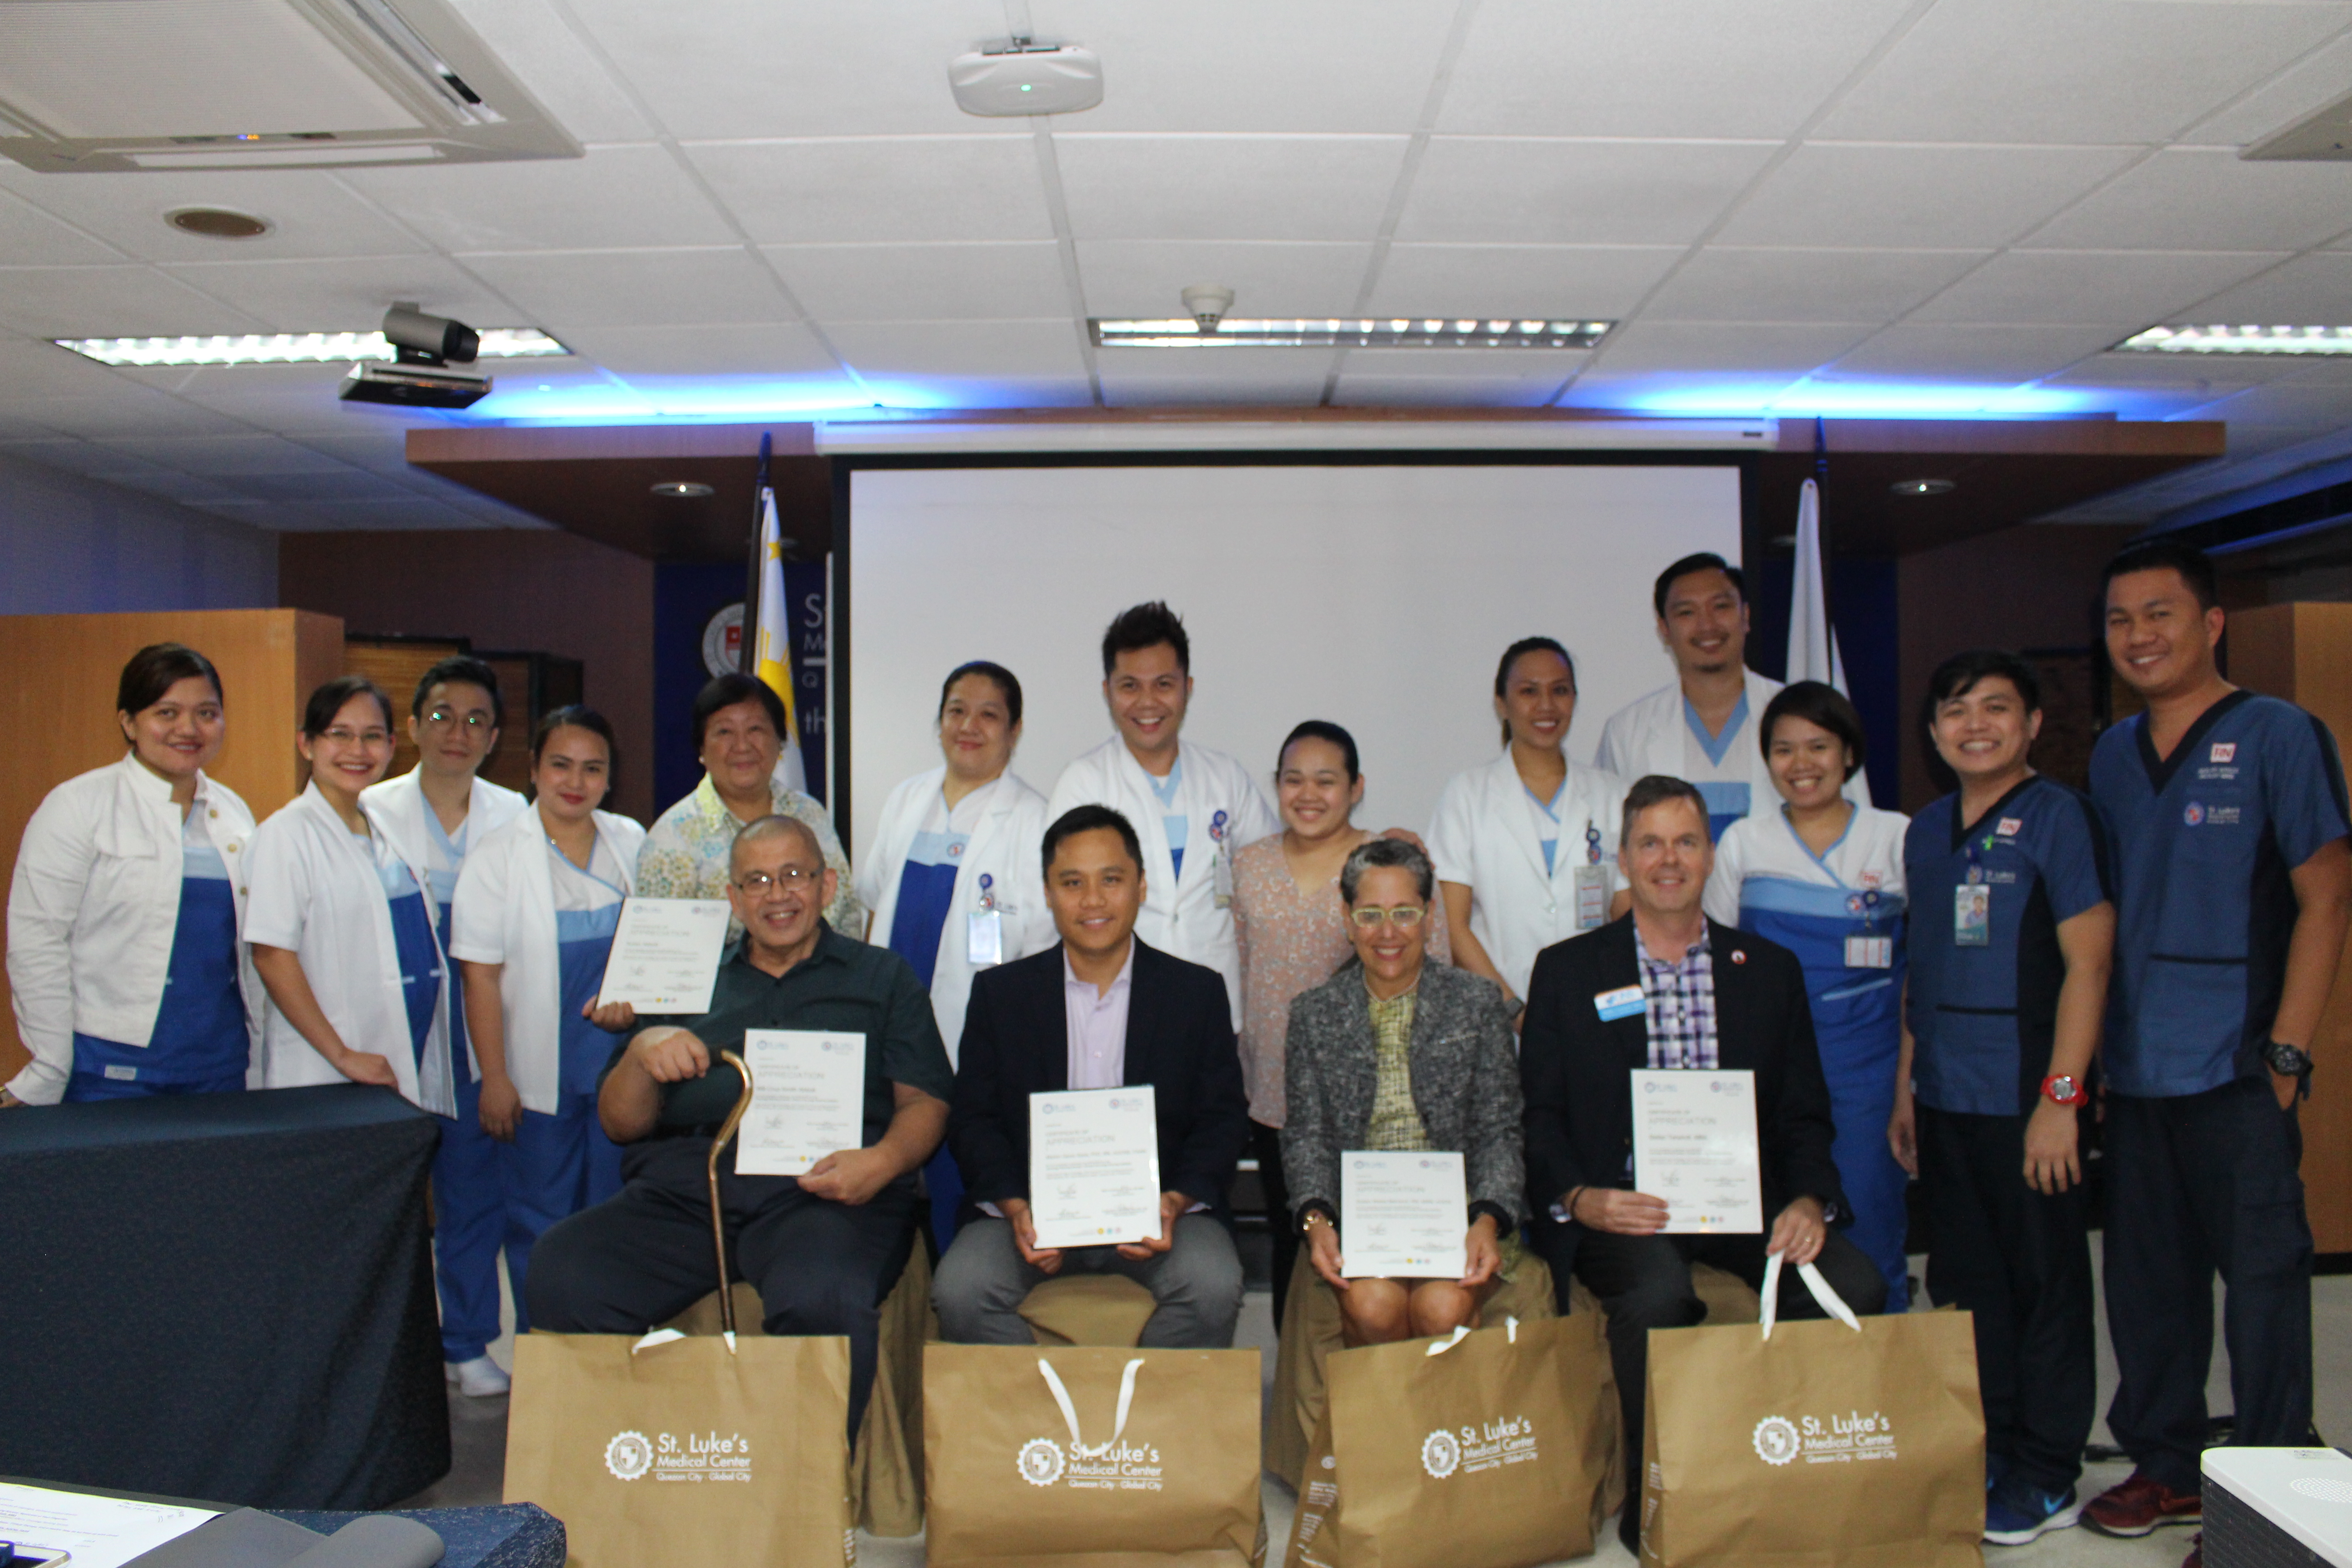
x=400, y=804
x=1650, y=734
x=1004, y=848
x=505, y=914
x=93, y=909
x=1485, y=835
x=315, y=891
x=1180, y=913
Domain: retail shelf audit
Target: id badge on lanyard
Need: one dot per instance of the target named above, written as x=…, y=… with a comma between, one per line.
x=984, y=928
x=1221, y=865
x=1592, y=884
x=1868, y=949
x=1972, y=907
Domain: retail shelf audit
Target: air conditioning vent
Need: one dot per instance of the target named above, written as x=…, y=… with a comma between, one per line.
x=101, y=87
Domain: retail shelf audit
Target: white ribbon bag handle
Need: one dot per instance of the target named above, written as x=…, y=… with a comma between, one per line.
x=1462, y=1331
x=1070, y=1411
x=1829, y=1299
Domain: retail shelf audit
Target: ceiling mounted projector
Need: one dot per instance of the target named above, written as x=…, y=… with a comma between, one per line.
x=1022, y=75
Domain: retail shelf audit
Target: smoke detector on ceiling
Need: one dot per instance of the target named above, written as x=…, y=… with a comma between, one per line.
x=1022, y=75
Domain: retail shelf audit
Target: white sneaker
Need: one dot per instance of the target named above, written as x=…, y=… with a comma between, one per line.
x=480, y=1377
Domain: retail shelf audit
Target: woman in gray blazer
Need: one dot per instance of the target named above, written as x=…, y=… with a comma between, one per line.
x=1396, y=1053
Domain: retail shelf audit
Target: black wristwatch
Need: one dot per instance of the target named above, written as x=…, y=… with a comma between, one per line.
x=2287, y=1061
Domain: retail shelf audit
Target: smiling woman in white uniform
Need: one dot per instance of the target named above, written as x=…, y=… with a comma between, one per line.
x=1524, y=844
x=126, y=894
x=337, y=922
x=953, y=876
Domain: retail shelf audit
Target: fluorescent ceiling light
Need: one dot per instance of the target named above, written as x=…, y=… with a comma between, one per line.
x=293, y=348
x=1388, y=333
x=2240, y=341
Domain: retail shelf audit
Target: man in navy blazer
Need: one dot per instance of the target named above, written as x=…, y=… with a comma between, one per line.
x=1663, y=987
x=1101, y=1010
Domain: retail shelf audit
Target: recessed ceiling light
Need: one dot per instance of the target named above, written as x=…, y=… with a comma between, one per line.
x=682, y=489
x=293, y=348
x=2227, y=340
x=1924, y=487
x=217, y=223
x=1387, y=333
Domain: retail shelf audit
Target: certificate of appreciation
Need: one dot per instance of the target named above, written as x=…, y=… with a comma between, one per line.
x=1695, y=1146
x=665, y=955
x=1094, y=1167
x=1403, y=1215
x=808, y=1099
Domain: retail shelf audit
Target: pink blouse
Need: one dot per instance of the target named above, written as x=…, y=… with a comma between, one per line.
x=1291, y=943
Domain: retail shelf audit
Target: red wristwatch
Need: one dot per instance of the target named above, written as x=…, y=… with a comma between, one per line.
x=2063, y=1089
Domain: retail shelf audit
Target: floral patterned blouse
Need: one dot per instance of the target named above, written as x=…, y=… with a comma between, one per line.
x=684, y=855
x=1290, y=942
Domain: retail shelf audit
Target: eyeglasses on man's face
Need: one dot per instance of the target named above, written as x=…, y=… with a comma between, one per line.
x=756, y=883
x=1405, y=916
x=442, y=718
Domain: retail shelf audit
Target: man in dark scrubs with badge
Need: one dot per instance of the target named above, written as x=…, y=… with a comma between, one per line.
x=2234, y=890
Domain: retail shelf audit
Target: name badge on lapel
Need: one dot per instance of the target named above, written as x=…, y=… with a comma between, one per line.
x=1621, y=1003
x=984, y=928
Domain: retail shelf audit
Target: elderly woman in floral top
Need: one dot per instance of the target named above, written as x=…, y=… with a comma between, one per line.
x=1293, y=931
x=738, y=729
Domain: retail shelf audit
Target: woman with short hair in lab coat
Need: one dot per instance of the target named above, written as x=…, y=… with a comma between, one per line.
x=1823, y=877
x=127, y=891
x=1526, y=845
x=954, y=877
x=336, y=918
x=537, y=906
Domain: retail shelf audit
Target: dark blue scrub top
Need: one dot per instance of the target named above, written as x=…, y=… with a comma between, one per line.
x=1982, y=1018
x=2204, y=839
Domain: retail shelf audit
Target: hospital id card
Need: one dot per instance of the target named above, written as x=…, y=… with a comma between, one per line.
x=1591, y=897
x=983, y=938
x=1694, y=1145
x=1870, y=953
x=1221, y=878
x=1973, y=915
x=1094, y=1167
x=808, y=1099
x=1403, y=1215
x=664, y=956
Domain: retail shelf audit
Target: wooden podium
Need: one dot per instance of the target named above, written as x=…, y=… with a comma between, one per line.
x=57, y=708
x=2303, y=653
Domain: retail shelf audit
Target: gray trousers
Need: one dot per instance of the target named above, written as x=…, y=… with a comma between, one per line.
x=983, y=1279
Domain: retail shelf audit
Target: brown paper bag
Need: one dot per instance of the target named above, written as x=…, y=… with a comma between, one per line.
x=1487, y=1450
x=683, y=1452
x=1089, y=1458
x=1815, y=1445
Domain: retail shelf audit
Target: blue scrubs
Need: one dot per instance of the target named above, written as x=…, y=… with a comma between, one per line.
x=926, y=902
x=200, y=1044
x=1857, y=1021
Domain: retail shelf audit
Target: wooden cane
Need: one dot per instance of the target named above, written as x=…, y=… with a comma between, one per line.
x=717, y=1226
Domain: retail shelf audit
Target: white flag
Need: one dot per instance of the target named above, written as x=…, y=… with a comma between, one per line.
x=1812, y=644
x=772, y=653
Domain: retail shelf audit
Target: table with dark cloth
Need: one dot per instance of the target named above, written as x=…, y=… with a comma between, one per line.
x=224, y=1296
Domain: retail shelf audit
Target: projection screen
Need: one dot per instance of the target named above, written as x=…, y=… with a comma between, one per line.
x=1377, y=597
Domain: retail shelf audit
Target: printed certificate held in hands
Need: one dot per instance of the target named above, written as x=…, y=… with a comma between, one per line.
x=808, y=1099
x=1695, y=1146
x=665, y=955
x=1094, y=1167
x=1403, y=1215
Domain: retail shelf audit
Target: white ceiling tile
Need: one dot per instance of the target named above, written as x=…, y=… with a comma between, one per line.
x=881, y=188
x=742, y=67
x=189, y=489
x=1915, y=196
x=1574, y=192
x=1647, y=390
x=2302, y=89
x=335, y=485
x=1932, y=350
x=2311, y=291
x=974, y=351
x=127, y=410
x=347, y=294
x=1723, y=284
x=1163, y=376
x=1551, y=281
x=777, y=349
x=764, y=395
x=378, y=450
x=1511, y=378
x=38, y=368
x=1003, y=281
x=2143, y=286
x=532, y=41
x=110, y=302
x=1664, y=67
x=559, y=290
x=30, y=236
x=614, y=196
x=2282, y=404
x=226, y=455
x=1237, y=65
x=1383, y=391
x=1147, y=278
x=2070, y=71
x=2208, y=199
x=1734, y=348
x=311, y=212
x=1227, y=187
x=335, y=517
x=2223, y=372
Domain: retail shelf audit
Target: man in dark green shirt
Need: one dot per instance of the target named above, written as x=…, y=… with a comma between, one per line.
x=823, y=1248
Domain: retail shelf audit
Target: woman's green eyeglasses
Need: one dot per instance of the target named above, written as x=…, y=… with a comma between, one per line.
x=1405, y=916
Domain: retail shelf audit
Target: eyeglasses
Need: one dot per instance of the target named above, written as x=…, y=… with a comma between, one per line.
x=758, y=882
x=1404, y=916
x=442, y=718
x=346, y=737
